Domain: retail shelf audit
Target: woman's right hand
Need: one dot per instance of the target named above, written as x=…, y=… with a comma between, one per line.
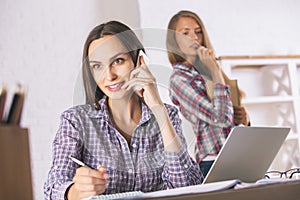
x=211, y=64
x=88, y=182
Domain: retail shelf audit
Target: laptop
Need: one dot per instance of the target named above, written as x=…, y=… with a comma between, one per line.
x=247, y=154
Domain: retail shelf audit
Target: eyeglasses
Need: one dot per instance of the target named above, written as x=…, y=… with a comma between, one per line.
x=291, y=173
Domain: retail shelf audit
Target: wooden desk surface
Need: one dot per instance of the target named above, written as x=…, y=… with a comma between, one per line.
x=286, y=191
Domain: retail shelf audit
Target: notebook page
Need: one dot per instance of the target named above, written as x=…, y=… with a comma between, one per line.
x=202, y=188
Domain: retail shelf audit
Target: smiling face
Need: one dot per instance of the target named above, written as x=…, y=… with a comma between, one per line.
x=189, y=36
x=111, y=65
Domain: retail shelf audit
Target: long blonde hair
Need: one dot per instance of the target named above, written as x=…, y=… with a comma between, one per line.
x=175, y=55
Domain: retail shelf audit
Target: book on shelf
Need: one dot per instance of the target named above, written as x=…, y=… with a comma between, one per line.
x=15, y=110
x=3, y=93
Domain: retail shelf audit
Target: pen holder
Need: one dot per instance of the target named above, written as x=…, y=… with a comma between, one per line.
x=15, y=169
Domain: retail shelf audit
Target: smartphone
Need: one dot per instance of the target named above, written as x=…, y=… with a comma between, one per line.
x=146, y=59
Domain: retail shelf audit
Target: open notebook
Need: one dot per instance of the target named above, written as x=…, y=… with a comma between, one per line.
x=194, y=189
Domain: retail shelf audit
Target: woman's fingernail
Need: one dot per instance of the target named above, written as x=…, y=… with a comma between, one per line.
x=106, y=176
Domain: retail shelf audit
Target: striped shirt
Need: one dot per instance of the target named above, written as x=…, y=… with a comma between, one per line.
x=212, y=119
x=143, y=165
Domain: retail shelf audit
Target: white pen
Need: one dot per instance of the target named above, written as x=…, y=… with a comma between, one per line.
x=80, y=162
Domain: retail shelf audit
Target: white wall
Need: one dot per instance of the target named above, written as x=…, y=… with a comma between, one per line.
x=41, y=45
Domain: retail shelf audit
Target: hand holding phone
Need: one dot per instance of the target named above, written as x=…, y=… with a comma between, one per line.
x=141, y=60
x=142, y=82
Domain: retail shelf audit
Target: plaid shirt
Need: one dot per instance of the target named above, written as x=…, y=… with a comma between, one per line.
x=89, y=135
x=212, y=119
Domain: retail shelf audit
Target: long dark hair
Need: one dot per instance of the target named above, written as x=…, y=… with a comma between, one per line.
x=129, y=40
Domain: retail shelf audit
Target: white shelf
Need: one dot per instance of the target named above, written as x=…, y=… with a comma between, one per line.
x=268, y=100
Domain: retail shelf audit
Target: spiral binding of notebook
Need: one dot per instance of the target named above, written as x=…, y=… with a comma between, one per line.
x=123, y=195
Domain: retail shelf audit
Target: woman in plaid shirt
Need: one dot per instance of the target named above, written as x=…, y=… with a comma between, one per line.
x=197, y=86
x=131, y=140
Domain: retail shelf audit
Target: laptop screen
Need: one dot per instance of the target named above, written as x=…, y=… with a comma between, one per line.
x=247, y=153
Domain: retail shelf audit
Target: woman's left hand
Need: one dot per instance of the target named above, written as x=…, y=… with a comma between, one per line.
x=144, y=84
x=240, y=115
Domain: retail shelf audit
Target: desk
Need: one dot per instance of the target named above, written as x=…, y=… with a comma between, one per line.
x=286, y=191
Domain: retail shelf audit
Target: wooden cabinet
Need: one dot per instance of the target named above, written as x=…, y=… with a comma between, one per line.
x=272, y=87
x=15, y=166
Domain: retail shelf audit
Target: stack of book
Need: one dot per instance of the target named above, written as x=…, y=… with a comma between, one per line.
x=13, y=116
